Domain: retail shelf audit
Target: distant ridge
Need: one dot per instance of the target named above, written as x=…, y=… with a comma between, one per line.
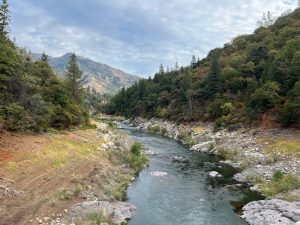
x=100, y=77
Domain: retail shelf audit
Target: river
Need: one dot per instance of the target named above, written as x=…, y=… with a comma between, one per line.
x=186, y=195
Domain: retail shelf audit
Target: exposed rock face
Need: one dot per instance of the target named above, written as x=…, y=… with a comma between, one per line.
x=118, y=212
x=275, y=212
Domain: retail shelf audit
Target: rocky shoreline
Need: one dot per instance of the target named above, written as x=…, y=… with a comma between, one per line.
x=249, y=150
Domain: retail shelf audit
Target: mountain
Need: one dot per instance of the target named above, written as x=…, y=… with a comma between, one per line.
x=101, y=77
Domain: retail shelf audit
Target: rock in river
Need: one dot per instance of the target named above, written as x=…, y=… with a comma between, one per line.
x=180, y=159
x=158, y=174
x=214, y=174
x=203, y=147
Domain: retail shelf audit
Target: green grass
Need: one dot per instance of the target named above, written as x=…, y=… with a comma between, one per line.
x=187, y=138
x=154, y=129
x=228, y=154
x=66, y=194
x=280, y=184
x=95, y=218
x=137, y=160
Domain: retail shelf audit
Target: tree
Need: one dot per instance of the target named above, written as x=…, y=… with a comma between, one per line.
x=266, y=97
x=213, y=83
x=4, y=18
x=193, y=62
x=73, y=76
x=266, y=20
x=161, y=69
x=176, y=66
x=44, y=57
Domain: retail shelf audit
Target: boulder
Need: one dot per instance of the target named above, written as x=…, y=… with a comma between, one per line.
x=158, y=174
x=118, y=212
x=214, y=174
x=275, y=211
x=203, y=147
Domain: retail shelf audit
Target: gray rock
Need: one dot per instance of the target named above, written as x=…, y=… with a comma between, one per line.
x=214, y=174
x=118, y=211
x=159, y=174
x=275, y=211
x=203, y=147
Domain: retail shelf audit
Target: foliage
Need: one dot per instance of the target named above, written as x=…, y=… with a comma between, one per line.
x=137, y=160
x=253, y=75
x=280, y=184
x=32, y=96
x=136, y=149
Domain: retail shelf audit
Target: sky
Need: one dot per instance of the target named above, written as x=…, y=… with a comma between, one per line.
x=136, y=35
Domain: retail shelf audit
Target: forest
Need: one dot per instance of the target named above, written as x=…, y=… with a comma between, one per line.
x=252, y=77
x=32, y=97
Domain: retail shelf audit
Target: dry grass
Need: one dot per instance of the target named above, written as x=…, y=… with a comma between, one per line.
x=198, y=129
x=289, y=147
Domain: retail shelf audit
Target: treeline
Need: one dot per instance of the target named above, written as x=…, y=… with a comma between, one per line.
x=254, y=75
x=32, y=96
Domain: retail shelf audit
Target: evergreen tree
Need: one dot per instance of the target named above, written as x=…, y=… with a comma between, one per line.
x=176, y=66
x=4, y=18
x=213, y=81
x=44, y=57
x=161, y=69
x=193, y=62
x=73, y=77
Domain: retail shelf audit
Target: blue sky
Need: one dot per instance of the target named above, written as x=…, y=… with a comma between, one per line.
x=136, y=35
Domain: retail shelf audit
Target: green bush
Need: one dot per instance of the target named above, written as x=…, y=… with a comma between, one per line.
x=280, y=184
x=15, y=117
x=154, y=129
x=136, y=149
x=278, y=175
x=137, y=160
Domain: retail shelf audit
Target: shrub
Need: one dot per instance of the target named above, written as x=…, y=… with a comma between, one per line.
x=154, y=129
x=15, y=117
x=136, y=149
x=278, y=175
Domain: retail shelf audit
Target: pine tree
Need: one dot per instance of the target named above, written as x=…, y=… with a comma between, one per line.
x=193, y=62
x=44, y=57
x=73, y=77
x=176, y=66
x=161, y=69
x=4, y=18
x=213, y=81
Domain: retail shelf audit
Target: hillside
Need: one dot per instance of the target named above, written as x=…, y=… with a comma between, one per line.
x=101, y=77
x=253, y=79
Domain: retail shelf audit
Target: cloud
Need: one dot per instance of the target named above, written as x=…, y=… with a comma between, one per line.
x=136, y=35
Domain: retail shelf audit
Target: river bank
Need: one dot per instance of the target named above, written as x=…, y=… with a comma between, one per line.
x=268, y=159
x=66, y=177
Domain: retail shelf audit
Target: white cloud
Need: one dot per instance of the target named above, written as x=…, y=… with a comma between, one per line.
x=136, y=35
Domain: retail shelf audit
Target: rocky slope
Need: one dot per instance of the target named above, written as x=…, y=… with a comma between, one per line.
x=268, y=160
x=101, y=77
